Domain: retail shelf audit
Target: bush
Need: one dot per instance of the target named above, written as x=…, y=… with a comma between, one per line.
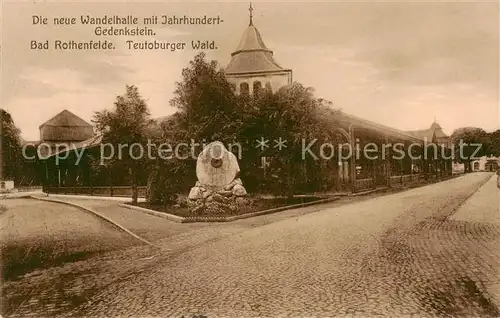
x=168, y=179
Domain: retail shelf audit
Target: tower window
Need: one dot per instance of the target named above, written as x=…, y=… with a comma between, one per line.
x=257, y=87
x=268, y=87
x=244, y=88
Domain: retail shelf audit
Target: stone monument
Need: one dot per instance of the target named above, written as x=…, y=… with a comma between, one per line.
x=219, y=188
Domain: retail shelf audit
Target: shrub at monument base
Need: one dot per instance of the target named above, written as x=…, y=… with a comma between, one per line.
x=255, y=204
x=166, y=181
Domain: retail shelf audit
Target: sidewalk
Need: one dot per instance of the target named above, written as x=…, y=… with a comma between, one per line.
x=481, y=211
x=92, y=197
x=20, y=194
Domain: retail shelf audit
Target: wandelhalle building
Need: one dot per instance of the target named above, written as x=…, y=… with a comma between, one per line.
x=253, y=67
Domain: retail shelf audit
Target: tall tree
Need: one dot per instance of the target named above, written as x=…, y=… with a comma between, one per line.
x=10, y=148
x=206, y=101
x=470, y=143
x=494, y=143
x=295, y=116
x=129, y=124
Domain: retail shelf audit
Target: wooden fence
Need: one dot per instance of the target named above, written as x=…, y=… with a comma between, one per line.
x=28, y=189
x=368, y=183
x=108, y=191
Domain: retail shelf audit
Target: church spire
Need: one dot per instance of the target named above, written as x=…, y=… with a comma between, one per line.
x=250, y=9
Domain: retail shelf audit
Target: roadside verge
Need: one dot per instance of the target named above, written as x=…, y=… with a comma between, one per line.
x=99, y=215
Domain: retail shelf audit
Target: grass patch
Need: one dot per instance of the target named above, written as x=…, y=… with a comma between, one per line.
x=257, y=204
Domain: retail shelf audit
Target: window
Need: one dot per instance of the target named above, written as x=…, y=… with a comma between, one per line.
x=244, y=88
x=476, y=165
x=257, y=86
x=268, y=87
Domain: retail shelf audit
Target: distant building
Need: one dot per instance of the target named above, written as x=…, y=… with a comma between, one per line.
x=434, y=134
x=458, y=167
x=486, y=163
x=252, y=66
x=64, y=128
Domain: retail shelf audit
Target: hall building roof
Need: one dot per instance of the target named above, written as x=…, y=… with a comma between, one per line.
x=65, y=127
x=435, y=131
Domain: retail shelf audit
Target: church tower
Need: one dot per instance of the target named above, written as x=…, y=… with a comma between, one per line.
x=252, y=65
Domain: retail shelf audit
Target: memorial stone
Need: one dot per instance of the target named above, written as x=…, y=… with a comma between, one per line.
x=218, y=185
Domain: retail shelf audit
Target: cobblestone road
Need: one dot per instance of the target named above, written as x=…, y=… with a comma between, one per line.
x=432, y=250
x=407, y=253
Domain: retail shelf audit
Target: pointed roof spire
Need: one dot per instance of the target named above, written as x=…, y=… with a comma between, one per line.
x=250, y=9
x=252, y=55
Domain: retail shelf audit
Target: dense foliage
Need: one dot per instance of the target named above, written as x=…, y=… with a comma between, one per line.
x=208, y=110
x=10, y=148
x=470, y=143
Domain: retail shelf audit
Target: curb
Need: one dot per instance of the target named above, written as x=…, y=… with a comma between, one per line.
x=99, y=215
x=171, y=217
x=274, y=210
x=367, y=192
x=412, y=184
x=93, y=197
x=194, y=219
x=19, y=195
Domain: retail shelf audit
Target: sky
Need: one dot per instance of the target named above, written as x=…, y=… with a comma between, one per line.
x=401, y=64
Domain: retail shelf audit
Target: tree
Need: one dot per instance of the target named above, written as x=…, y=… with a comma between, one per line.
x=10, y=148
x=128, y=127
x=494, y=143
x=293, y=114
x=470, y=143
x=208, y=107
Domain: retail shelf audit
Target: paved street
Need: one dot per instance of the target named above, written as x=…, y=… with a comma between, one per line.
x=432, y=250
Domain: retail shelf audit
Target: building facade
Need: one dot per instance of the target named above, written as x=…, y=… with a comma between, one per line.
x=252, y=66
x=63, y=131
x=486, y=163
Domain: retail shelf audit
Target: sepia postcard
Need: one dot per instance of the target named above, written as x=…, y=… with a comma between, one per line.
x=198, y=159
